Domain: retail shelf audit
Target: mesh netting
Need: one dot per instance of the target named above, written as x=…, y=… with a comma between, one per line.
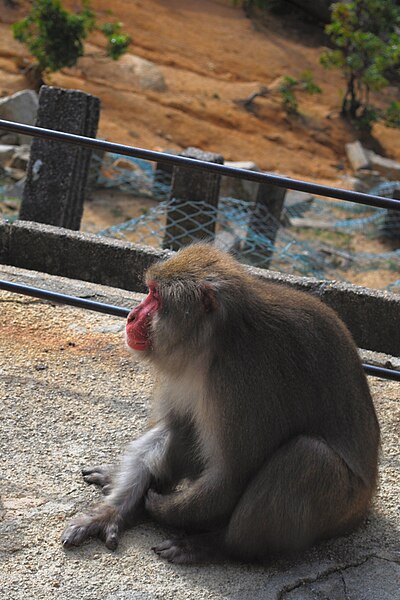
x=331, y=214
x=308, y=240
x=233, y=232
x=139, y=179
x=318, y=237
x=268, y=245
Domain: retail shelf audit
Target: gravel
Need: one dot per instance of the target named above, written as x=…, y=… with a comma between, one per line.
x=71, y=395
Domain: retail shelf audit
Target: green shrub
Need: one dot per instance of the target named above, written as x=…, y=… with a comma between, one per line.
x=117, y=42
x=290, y=85
x=391, y=117
x=55, y=36
x=365, y=35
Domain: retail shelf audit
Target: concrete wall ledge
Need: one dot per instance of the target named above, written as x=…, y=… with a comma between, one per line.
x=373, y=316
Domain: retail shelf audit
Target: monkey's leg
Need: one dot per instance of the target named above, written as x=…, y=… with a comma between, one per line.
x=102, y=476
x=304, y=493
x=143, y=462
x=203, y=505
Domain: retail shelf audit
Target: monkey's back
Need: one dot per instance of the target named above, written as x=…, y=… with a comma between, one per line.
x=301, y=373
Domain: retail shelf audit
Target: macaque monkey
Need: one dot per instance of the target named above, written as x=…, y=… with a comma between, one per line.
x=265, y=438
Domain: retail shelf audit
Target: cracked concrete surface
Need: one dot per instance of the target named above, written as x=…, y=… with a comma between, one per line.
x=372, y=577
x=70, y=396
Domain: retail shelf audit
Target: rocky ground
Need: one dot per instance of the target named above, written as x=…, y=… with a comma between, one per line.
x=70, y=396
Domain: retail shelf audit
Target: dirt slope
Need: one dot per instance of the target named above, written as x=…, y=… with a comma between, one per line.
x=211, y=56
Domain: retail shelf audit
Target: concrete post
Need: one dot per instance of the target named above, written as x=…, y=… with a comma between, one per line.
x=163, y=178
x=188, y=218
x=56, y=183
x=264, y=221
x=391, y=225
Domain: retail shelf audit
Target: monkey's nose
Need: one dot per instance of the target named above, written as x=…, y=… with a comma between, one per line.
x=132, y=315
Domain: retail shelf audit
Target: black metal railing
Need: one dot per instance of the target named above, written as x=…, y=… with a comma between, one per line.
x=260, y=177
x=286, y=182
x=119, y=311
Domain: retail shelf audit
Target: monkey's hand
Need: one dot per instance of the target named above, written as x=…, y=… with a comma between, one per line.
x=104, y=523
x=101, y=476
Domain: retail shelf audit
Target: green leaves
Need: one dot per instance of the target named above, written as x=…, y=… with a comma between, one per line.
x=117, y=42
x=290, y=85
x=366, y=43
x=55, y=36
x=308, y=84
x=391, y=117
x=287, y=91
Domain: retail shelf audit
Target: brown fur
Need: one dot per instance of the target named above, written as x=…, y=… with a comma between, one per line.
x=266, y=438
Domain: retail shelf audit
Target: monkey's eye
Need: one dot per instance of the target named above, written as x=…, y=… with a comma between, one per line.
x=153, y=290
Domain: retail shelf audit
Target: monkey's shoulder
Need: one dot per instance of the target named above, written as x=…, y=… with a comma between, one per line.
x=283, y=305
x=281, y=294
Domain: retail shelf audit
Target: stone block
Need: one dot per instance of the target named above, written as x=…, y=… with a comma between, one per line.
x=163, y=178
x=20, y=158
x=240, y=189
x=87, y=257
x=21, y=107
x=56, y=183
x=10, y=139
x=388, y=168
x=372, y=316
x=357, y=155
x=6, y=154
x=264, y=223
x=134, y=71
x=188, y=219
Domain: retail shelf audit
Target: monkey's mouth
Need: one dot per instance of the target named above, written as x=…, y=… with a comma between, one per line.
x=139, y=321
x=137, y=335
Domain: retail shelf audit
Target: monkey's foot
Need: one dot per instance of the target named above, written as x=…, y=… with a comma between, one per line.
x=104, y=524
x=192, y=549
x=101, y=476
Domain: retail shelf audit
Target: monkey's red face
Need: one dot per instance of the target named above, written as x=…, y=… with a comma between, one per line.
x=139, y=321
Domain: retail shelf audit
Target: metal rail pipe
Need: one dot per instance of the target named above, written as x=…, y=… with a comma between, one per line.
x=270, y=178
x=119, y=311
x=27, y=290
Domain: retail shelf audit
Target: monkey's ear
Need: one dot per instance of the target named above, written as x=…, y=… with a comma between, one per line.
x=209, y=298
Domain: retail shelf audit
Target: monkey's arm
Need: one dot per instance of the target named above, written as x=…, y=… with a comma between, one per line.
x=207, y=501
x=143, y=461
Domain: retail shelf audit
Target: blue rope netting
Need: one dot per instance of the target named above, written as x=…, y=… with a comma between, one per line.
x=138, y=180
x=233, y=233
x=265, y=242
x=277, y=245
x=5, y=200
